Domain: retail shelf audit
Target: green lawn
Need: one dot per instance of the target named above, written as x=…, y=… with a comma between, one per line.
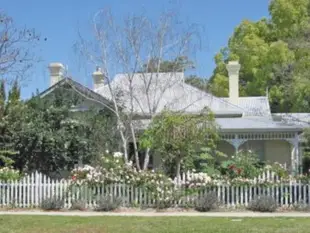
x=48, y=224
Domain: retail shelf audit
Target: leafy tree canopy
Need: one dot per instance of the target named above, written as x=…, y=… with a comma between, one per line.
x=179, y=64
x=178, y=136
x=274, y=54
x=48, y=136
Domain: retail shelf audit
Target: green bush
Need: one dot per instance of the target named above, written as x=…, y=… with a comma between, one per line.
x=207, y=202
x=281, y=171
x=301, y=206
x=78, y=205
x=108, y=203
x=244, y=164
x=163, y=204
x=306, y=163
x=53, y=203
x=263, y=204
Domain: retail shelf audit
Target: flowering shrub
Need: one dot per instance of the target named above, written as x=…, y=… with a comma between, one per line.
x=9, y=174
x=279, y=169
x=303, y=178
x=203, y=180
x=199, y=180
x=163, y=190
x=244, y=164
x=114, y=170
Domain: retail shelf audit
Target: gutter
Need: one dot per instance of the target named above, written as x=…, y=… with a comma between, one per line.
x=261, y=130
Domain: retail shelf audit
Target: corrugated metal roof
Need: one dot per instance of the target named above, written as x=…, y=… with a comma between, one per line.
x=242, y=124
x=164, y=90
x=254, y=105
x=177, y=95
x=254, y=124
x=302, y=119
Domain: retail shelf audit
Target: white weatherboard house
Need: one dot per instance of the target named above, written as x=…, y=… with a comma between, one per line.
x=245, y=122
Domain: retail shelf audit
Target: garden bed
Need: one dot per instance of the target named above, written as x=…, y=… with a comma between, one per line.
x=152, y=210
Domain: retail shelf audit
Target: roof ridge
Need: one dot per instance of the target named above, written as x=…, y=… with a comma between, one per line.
x=245, y=97
x=213, y=96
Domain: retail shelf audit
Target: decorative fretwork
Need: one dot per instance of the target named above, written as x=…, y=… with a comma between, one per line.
x=259, y=136
x=237, y=139
x=228, y=136
x=236, y=142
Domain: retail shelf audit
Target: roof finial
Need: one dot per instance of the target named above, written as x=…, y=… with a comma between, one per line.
x=267, y=92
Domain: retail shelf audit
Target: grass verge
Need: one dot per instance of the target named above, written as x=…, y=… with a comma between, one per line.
x=61, y=224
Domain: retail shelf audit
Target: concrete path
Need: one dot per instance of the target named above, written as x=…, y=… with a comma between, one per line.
x=157, y=214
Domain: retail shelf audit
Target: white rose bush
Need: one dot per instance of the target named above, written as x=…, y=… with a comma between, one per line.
x=113, y=170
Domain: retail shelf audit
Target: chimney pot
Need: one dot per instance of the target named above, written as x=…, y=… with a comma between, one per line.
x=98, y=78
x=56, y=72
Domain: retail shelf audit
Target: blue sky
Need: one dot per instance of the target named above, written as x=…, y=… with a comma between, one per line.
x=59, y=21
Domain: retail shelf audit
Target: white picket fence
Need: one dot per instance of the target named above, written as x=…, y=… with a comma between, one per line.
x=33, y=189
x=266, y=175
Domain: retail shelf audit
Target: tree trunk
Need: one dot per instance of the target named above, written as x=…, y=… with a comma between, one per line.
x=146, y=159
x=135, y=147
x=125, y=151
x=178, y=169
x=137, y=157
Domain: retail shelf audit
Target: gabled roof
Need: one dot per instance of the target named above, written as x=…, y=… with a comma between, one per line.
x=254, y=105
x=170, y=90
x=81, y=89
x=152, y=92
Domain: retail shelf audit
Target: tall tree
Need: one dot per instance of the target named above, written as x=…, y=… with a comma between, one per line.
x=8, y=115
x=138, y=45
x=179, y=64
x=269, y=56
x=177, y=137
x=49, y=137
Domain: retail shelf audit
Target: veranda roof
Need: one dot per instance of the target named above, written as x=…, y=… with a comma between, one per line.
x=243, y=124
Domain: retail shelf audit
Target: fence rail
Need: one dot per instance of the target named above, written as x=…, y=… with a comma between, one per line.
x=33, y=189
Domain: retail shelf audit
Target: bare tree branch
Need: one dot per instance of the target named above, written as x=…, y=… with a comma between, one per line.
x=130, y=47
x=16, y=49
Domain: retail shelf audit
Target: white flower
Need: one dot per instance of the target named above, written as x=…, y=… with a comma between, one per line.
x=268, y=167
x=87, y=168
x=129, y=163
x=88, y=177
x=117, y=154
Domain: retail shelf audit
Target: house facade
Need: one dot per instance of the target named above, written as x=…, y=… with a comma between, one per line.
x=244, y=122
